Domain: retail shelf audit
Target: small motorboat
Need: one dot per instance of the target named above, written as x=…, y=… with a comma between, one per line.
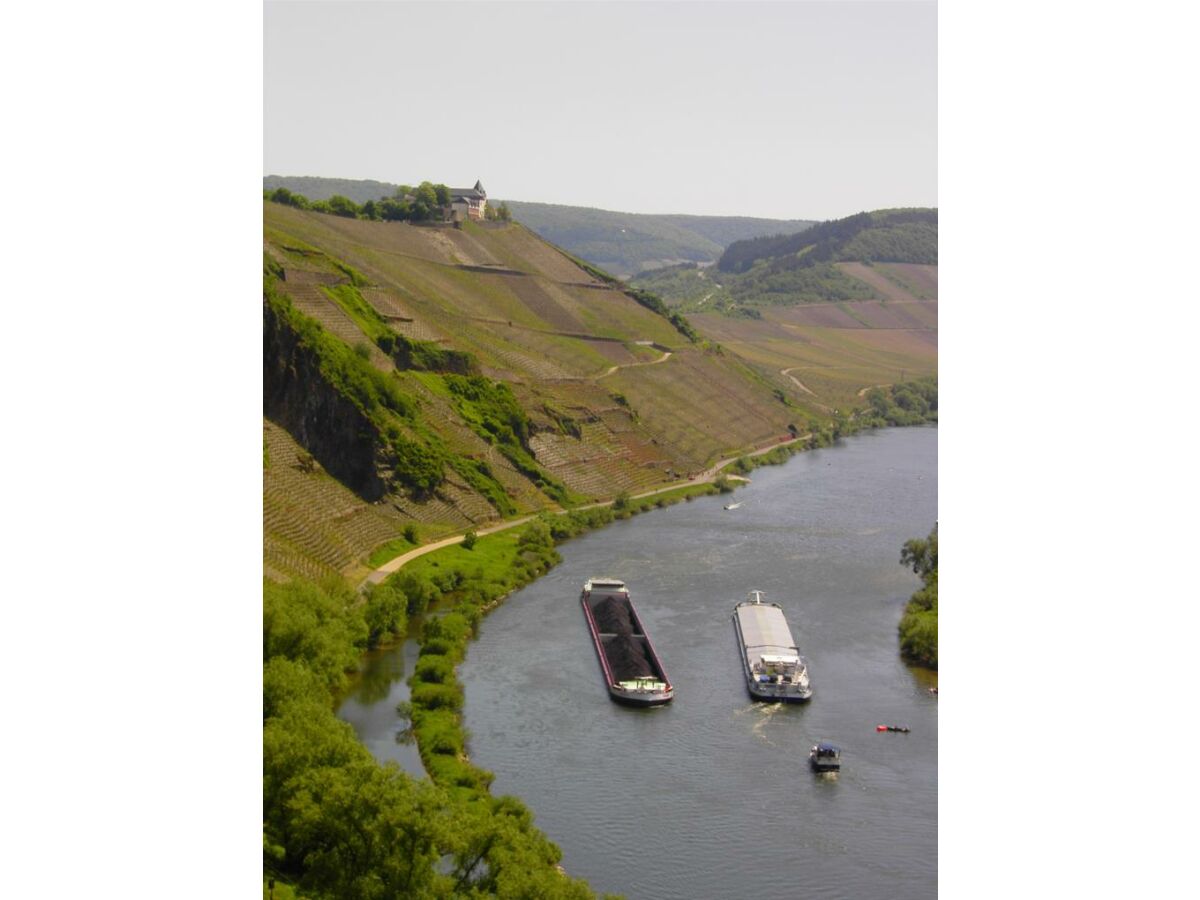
x=733, y=505
x=825, y=757
x=902, y=729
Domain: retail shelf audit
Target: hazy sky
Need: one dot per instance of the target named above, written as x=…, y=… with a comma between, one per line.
x=785, y=110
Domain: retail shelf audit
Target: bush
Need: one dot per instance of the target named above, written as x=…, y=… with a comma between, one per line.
x=436, y=696
x=918, y=628
x=434, y=669
x=437, y=730
x=386, y=612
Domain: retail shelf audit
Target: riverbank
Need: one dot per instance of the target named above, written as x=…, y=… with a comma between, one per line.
x=708, y=476
x=905, y=404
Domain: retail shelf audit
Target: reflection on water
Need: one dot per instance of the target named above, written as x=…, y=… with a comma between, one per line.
x=376, y=675
x=371, y=705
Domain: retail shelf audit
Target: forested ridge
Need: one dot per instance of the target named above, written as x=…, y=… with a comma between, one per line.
x=889, y=235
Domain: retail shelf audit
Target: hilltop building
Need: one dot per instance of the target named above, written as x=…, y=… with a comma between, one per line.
x=468, y=202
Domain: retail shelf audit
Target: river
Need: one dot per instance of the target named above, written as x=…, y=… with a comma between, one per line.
x=711, y=796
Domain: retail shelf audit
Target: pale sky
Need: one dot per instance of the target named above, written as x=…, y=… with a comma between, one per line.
x=784, y=110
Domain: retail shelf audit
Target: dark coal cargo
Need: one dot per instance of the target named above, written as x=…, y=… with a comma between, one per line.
x=633, y=673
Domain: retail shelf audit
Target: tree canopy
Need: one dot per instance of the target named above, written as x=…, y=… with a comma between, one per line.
x=424, y=203
x=918, y=628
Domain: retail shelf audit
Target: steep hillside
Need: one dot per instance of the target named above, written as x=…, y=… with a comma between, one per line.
x=440, y=378
x=621, y=243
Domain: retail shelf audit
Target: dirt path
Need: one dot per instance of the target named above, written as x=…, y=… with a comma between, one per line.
x=652, y=362
x=709, y=474
x=871, y=387
x=796, y=380
x=804, y=387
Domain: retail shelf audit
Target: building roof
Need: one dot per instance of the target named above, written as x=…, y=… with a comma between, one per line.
x=475, y=193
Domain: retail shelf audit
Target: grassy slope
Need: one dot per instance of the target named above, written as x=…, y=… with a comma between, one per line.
x=835, y=349
x=599, y=432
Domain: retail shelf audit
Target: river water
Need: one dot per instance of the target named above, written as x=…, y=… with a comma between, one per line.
x=711, y=795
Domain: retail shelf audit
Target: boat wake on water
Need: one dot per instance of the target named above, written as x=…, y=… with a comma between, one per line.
x=763, y=713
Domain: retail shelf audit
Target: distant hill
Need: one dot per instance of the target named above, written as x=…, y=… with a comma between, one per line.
x=627, y=243
x=883, y=255
x=323, y=188
x=886, y=235
x=621, y=243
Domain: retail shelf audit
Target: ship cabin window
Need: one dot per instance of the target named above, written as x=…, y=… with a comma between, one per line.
x=779, y=665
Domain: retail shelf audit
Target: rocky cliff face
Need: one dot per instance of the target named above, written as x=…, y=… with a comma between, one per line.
x=323, y=421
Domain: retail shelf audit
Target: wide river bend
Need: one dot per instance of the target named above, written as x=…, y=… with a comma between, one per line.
x=711, y=796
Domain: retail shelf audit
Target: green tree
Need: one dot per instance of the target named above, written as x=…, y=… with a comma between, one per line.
x=287, y=198
x=343, y=206
x=425, y=204
x=921, y=555
x=321, y=626
x=386, y=612
x=395, y=210
x=368, y=832
x=918, y=627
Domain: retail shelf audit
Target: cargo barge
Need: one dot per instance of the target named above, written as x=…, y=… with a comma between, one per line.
x=632, y=670
x=771, y=662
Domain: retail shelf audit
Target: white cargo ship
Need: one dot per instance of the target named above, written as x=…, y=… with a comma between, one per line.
x=771, y=662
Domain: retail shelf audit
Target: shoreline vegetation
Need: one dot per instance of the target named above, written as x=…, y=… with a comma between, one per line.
x=918, y=628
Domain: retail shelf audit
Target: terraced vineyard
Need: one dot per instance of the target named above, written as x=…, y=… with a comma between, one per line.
x=312, y=524
x=618, y=400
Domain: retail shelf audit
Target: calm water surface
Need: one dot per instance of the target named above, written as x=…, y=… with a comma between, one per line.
x=711, y=796
x=370, y=705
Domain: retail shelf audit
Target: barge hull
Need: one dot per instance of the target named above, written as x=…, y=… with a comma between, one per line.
x=633, y=673
x=766, y=631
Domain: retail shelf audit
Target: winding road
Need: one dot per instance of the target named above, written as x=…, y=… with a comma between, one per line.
x=650, y=362
x=709, y=474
